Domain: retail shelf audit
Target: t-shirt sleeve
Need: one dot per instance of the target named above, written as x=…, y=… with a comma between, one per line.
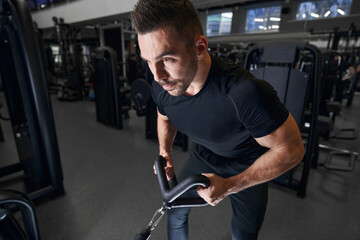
x=259, y=108
x=156, y=91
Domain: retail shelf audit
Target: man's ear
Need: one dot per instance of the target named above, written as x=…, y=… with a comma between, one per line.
x=201, y=44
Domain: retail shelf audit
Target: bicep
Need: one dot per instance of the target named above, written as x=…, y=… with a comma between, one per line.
x=287, y=136
x=164, y=123
x=161, y=116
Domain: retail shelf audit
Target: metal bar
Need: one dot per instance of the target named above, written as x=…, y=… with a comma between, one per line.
x=10, y=169
x=326, y=147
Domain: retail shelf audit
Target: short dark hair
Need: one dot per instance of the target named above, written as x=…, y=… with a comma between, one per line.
x=181, y=15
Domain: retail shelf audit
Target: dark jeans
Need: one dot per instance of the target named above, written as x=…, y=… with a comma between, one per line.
x=248, y=206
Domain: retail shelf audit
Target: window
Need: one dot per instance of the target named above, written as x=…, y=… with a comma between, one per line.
x=55, y=50
x=263, y=19
x=323, y=9
x=219, y=23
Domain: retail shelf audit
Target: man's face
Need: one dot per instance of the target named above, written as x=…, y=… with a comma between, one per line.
x=173, y=65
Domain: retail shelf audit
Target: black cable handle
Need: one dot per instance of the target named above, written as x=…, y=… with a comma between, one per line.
x=171, y=195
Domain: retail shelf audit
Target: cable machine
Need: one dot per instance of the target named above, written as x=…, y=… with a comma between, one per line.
x=29, y=105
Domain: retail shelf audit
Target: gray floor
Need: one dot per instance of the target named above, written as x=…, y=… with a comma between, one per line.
x=111, y=191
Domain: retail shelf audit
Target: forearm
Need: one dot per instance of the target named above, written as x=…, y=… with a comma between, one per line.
x=270, y=165
x=286, y=150
x=166, y=135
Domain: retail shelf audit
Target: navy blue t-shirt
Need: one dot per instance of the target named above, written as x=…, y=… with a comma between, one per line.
x=231, y=109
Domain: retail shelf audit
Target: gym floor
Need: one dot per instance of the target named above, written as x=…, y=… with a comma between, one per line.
x=112, y=193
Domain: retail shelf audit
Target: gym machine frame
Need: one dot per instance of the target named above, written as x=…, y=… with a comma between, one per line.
x=9, y=228
x=276, y=62
x=119, y=52
x=29, y=103
x=327, y=122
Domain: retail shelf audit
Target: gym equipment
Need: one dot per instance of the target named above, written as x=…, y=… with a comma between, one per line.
x=28, y=103
x=329, y=160
x=171, y=192
x=113, y=36
x=279, y=63
x=1, y=116
x=107, y=89
x=9, y=228
x=336, y=38
x=2, y=139
x=350, y=95
x=70, y=68
x=140, y=95
x=329, y=109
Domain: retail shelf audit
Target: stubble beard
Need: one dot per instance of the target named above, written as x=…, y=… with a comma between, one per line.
x=183, y=84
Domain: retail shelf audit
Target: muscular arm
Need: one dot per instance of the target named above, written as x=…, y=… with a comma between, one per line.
x=166, y=134
x=286, y=150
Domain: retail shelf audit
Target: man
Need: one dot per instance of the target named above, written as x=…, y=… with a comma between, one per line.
x=244, y=135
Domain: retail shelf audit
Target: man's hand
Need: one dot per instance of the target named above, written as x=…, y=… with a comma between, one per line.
x=219, y=188
x=169, y=168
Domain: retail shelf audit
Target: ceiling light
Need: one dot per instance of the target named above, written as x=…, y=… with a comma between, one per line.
x=275, y=19
x=327, y=13
x=315, y=15
x=227, y=14
x=259, y=20
x=340, y=11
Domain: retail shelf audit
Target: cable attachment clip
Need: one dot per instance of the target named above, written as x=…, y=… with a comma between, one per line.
x=158, y=215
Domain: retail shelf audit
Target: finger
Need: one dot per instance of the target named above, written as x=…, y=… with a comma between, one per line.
x=202, y=193
x=169, y=164
x=169, y=174
x=214, y=203
x=208, y=175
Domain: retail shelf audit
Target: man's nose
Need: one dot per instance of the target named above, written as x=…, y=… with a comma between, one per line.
x=159, y=72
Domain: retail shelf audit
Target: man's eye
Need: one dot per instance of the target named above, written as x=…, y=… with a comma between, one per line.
x=167, y=59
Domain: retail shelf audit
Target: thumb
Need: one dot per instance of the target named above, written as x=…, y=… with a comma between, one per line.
x=201, y=188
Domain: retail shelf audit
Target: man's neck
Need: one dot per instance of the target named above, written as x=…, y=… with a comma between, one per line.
x=200, y=77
